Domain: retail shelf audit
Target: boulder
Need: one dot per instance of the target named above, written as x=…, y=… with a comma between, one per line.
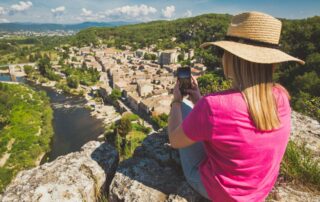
x=305, y=130
x=153, y=174
x=78, y=176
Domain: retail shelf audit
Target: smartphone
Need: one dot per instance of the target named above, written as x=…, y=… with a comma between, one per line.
x=184, y=77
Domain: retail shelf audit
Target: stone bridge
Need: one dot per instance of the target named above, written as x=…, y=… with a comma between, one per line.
x=15, y=72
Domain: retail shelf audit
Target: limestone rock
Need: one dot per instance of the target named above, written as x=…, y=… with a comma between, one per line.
x=152, y=174
x=78, y=176
x=307, y=130
x=290, y=193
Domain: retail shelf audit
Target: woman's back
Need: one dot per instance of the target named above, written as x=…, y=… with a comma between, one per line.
x=243, y=162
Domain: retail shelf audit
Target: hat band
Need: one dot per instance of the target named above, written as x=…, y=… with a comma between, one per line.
x=251, y=42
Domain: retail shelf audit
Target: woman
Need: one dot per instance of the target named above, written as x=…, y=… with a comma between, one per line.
x=231, y=143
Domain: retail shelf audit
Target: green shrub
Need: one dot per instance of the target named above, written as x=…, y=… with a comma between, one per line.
x=213, y=82
x=300, y=165
x=115, y=94
x=161, y=120
x=73, y=81
x=131, y=116
x=124, y=126
x=28, y=69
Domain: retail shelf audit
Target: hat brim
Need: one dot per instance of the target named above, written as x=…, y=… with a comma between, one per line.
x=256, y=54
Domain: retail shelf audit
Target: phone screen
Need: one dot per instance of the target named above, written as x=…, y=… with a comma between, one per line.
x=184, y=76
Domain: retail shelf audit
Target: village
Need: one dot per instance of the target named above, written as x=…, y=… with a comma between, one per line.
x=145, y=78
x=146, y=85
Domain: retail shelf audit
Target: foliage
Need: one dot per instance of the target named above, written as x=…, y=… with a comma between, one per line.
x=73, y=81
x=127, y=135
x=46, y=70
x=161, y=120
x=85, y=38
x=131, y=116
x=63, y=86
x=124, y=126
x=299, y=164
x=309, y=104
x=308, y=82
x=213, y=82
x=29, y=49
x=189, y=33
x=149, y=56
x=115, y=94
x=140, y=127
x=132, y=141
x=28, y=69
x=86, y=76
x=25, y=117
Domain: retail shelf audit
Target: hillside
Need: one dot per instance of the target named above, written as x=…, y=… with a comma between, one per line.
x=299, y=38
x=25, y=129
x=38, y=27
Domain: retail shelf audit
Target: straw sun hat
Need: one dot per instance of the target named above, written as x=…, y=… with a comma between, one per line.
x=254, y=36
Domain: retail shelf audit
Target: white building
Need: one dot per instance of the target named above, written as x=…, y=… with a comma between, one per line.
x=168, y=57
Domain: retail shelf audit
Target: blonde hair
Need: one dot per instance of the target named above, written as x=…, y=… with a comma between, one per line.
x=255, y=82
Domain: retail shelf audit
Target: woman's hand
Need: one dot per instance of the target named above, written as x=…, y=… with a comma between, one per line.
x=176, y=92
x=194, y=92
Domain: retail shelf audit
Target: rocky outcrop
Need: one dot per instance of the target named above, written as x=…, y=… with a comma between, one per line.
x=283, y=192
x=307, y=130
x=152, y=174
x=78, y=176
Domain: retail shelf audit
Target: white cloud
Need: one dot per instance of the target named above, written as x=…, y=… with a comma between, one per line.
x=88, y=15
x=21, y=6
x=3, y=20
x=168, y=12
x=2, y=11
x=187, y=14
x=86, y=12
x=58, y=11
x=131, y=11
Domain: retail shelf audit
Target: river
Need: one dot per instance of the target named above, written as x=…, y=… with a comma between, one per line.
x=73, y=126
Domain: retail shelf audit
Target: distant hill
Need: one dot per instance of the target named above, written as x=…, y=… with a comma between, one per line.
x=189, y=32
x=14, y=27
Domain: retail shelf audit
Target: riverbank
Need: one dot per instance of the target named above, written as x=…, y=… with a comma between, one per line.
x=23, y=113
x=78, y=118
x=97, y=107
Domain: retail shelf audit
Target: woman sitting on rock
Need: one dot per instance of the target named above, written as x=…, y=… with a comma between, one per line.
x=231, y=143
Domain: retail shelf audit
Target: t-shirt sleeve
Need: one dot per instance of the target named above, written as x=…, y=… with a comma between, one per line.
x=198, y=125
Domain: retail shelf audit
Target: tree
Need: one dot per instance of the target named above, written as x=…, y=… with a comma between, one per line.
x=115, y=94
x=181, y=57
x=73, y=81
x=160, y=120
x=28, y=69
x=31, y=58
x=147, y=56
x=124, y=127
x=213, y=82
x=44, y=65
x=308, y=82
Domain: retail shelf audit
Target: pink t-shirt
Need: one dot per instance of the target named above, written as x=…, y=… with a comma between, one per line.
x=242, y=162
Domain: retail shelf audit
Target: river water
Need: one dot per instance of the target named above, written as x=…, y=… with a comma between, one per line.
x=73, y=126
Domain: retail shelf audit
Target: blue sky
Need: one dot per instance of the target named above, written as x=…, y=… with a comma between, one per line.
x=75, y=11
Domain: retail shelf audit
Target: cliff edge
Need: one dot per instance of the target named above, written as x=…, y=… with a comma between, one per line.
x=153, y=173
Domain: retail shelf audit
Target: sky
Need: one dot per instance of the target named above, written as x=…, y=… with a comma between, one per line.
x=77, y=11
